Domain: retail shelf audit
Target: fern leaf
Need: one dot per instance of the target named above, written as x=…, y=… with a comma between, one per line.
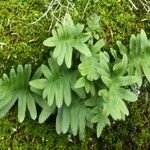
x=74, y=122
x=127, y=95
x=6, y=108
x=89, y=67
x=72, y=117
x=65, y=120
x=67, y=92
x=47, y=73
x=39, y=83
x=57, y=84
x=139, y=50
x=97, y=115
x=59, y=121
x=47, y=111
x=66, y=38
x=16, y=88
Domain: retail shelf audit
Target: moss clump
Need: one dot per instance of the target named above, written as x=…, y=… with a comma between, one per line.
x=23, y=44
x=23, y=41
x=32, y=135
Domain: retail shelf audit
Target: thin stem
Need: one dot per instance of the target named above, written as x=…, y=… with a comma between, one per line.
x=133, y=4
x=55, y=8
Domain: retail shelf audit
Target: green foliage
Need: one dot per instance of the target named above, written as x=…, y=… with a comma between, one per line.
x=67, y=37
x=138, y=54
x=16, y=88
x=97, y=113
x=89, y=65
x=55, y=85
x=114, y=93
x=72, y=118
x=23, y=44
x=80, y=96
x=93, y=22
x=84, y=83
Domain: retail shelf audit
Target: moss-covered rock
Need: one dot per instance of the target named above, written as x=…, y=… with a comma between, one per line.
x=21, y=42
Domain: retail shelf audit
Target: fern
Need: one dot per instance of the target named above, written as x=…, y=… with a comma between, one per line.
x=84, y=83
x=88, y=94
x=16, y=88
x=56, y=84
x=97, y=115
x=90, y=65
x=73, y=118
x=138, y=54
x=93, y=23
x=66, y=38
x=114, y=93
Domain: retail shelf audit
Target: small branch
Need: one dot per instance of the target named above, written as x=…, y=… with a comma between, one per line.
x=55, y=8
x=45, y=14
x=133, y=4
x=86, y=7
x=144, y=3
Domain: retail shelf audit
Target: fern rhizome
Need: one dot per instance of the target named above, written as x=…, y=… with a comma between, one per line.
x=81, y=85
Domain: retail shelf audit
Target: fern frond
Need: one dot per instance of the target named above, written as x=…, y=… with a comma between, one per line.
x=97, y=115
x=65, y=39
x=138, y=55
x=89, y=66
x=114, y=93
x=72, y=118
x=16, y=88
x=56, y=84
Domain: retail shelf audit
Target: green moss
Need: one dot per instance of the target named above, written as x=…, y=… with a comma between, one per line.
x=23, y=40
x=24, y=45
x=32, y=135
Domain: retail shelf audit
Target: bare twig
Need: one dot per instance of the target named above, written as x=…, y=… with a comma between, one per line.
x=45, y=14
x=133, y=4
x=86, y=7
x=145, y=4
x=55, y=9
